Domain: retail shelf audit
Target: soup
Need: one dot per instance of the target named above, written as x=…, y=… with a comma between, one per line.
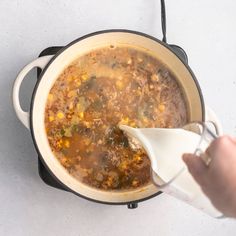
x=97, y=92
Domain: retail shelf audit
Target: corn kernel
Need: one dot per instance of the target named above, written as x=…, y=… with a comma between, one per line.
x=59, y=143
x=161, y=107
x=109, y=181
x=154, y=78
x=145, y=120
x=51, y=118
x=119, y=85
x=84, y=77
x=135, y=183
x=129, y=62
x=67, y=143
x=132, y=124
x=63, y=160
x=138, y=159
x=70, y=78
x=78, y=82
x=72, y=93
x=123, y=166
x=124, y=120
x=50, y=97
x=60, y=115
x=139, y=92
x=87, y=124
x=81, y=115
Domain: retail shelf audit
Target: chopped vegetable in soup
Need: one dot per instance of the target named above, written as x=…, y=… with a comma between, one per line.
x=98, y=91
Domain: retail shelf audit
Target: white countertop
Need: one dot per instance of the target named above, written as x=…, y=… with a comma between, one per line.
x=204, y=28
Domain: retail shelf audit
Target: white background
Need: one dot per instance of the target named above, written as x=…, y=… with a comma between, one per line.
x=205, y=28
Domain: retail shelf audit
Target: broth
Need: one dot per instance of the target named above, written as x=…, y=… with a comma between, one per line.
x=98, y=91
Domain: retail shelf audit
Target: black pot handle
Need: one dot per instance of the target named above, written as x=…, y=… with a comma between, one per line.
x=132, y=205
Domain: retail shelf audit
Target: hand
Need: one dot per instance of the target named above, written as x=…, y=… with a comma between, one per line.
x=218, y=180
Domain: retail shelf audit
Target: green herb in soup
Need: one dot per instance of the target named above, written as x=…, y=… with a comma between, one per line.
x=98, y=91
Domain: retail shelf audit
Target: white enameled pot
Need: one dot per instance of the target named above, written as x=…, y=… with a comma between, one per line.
x=53, y=66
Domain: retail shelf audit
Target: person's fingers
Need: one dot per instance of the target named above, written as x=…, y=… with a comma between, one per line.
x=206, y=158
x=220, y=144
x=196, y=167
x=210, y=151
x=233, y=139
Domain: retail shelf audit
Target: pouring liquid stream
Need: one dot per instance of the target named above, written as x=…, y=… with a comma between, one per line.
x=165, y=148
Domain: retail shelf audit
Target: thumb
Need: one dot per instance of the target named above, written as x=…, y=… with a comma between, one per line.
x=196, y=167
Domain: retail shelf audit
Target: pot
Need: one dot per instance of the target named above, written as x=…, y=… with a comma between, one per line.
x=52, y=67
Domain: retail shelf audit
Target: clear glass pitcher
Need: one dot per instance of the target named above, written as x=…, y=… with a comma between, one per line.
x=182, y=185
x=165, y=148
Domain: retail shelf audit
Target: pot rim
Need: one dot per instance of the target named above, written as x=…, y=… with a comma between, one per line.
x=60, y=52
